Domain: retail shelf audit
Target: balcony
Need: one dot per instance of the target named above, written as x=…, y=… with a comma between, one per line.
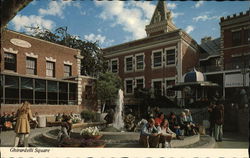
x=210, y=68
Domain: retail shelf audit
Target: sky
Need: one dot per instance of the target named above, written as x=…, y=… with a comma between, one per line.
x=115, y=22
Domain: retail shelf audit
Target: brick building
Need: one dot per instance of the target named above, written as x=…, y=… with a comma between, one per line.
x=226, y=60
x=44, y=73
x=156, y=61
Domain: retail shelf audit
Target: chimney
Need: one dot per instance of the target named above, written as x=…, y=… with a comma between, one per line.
x=205, y=39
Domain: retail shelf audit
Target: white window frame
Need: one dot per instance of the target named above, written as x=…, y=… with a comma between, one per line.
x=165, y=56
x=49, y=69
x=125, y=63
x=169, y=79
x=70, y=66
x=125, y=86
x=117, y=65
x=155, y=80
x=137, y=78
x=140, y=54
x=35, y=68
x=152, y=59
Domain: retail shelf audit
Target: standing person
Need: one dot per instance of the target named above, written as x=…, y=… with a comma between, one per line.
x=219, y=120
x=166, y=134
x=149, y=136
x=22, y=126
x=210, y=110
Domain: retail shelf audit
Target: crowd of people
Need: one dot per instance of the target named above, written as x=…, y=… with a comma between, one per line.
x=160, y=129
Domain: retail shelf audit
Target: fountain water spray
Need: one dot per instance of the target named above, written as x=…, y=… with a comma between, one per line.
x=118, y=118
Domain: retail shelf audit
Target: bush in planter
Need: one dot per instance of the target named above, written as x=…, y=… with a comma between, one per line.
x=92, y=143
x=87, y=115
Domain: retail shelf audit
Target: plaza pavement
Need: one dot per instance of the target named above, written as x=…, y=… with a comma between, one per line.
x=230, y=140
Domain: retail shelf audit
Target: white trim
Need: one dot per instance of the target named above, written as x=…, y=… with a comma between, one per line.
x=125, y=86
x=136, y=55
x=156, y=80
x=165, y=56
x=50, y=59
x=67, y=62
x=140, y=77
x=152, y=58
x=32, y=55
x=125, y=63
x=117, y=65
x=10, y=50
x=235, y=30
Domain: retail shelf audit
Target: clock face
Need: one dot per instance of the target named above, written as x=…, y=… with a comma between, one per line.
x=20, y=43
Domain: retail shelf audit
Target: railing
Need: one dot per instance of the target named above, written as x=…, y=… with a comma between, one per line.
x=235, y=66
x=199, y=116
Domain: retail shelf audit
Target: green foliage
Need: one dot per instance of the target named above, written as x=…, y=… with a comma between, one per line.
x=108, y=85
x=88, y=115
x=93, y=62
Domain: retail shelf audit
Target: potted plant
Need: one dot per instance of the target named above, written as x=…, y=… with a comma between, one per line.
x=91, y=133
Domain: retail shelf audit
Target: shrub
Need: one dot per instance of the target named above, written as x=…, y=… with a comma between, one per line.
x=87, y=115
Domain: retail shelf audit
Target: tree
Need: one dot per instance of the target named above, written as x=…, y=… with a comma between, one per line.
x=107, y=87
x=93, y=62
x=9, y=8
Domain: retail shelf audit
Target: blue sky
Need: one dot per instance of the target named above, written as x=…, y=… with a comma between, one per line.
x=115, y=22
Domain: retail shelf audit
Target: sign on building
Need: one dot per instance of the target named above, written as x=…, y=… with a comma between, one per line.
x=236, y=80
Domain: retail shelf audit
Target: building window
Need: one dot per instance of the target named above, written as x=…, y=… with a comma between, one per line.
x=50, y=69
x=10, y=61
x=247, y=36
x=157, y=85
x=170, y=93
x=31, y=66
x=129, y=86
x=139, y=83
x=170, y=57
x=139, y=62
x=128, y=64
x=236, y=38
x=88, y=92
x=114, y=65
x=67, y=70
x=157, y=59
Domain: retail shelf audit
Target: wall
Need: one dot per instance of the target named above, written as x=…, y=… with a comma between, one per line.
x=42, y=49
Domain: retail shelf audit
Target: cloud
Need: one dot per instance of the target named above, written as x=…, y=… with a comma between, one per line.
x=103, y=41
x=132, y=16
x=189, y=28
x=21, y=21
x=55, y=8
x=198, y=4
x=175, y=15
x=205, y=18
x=171, y=5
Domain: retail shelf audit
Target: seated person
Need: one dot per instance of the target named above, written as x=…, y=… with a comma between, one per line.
x=184, y=124
x=160, y=118
x=59, y=117
x=174, y=126
x=109, y=118
x=149, y=136
x=166, y=134
x=65, y=131
x=193, y=126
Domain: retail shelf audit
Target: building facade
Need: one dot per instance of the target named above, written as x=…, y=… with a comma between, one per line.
x=44, y=73
x=156, y=61
x=226, y=60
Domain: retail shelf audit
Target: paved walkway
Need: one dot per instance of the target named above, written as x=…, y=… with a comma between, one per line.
x=233, y=140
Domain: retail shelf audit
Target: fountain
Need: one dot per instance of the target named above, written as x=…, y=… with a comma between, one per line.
x=118, y=116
